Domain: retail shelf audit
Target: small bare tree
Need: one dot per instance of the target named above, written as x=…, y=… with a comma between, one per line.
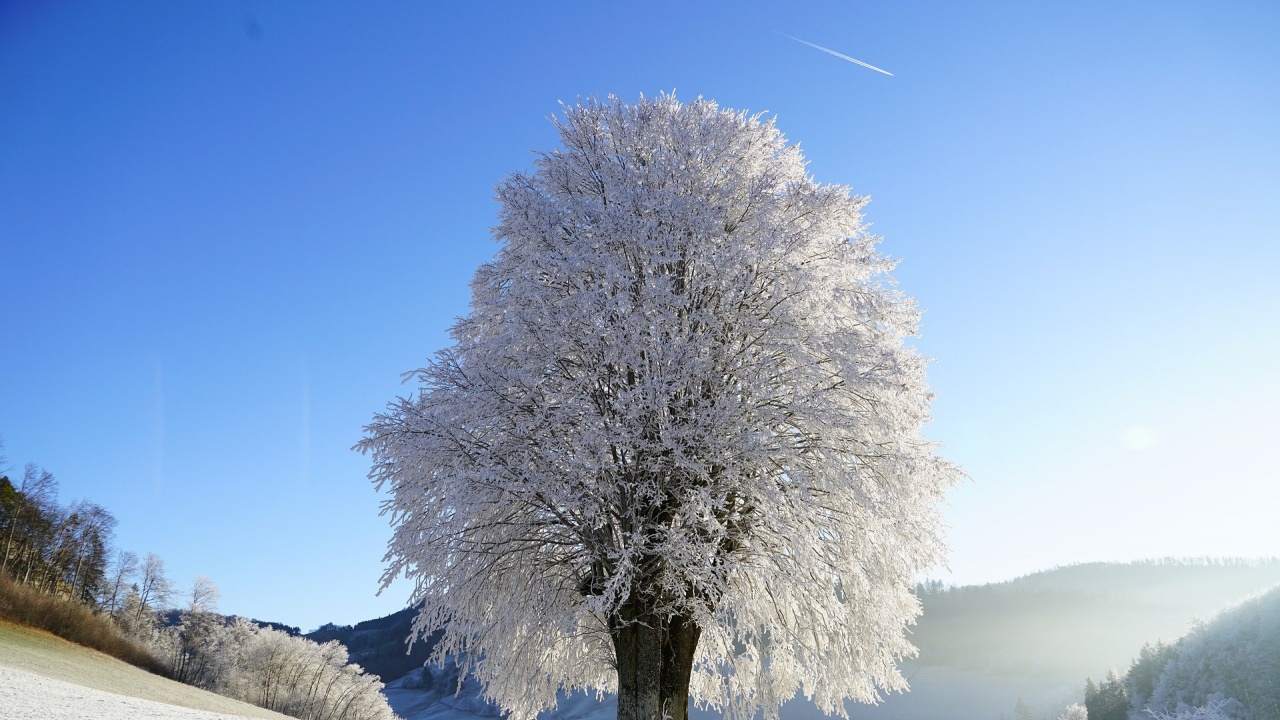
x=154, y=588
x=123, y=570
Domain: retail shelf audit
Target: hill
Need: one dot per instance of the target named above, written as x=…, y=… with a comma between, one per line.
x=1035, y=637
x=1231, y=663
x=378, y=645
x=981, y=647
x=43, y=665
x=1084, y=618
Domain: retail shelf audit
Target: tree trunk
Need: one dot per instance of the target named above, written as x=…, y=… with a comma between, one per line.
x=655, y=661
x=75, y=576
x=13, y=526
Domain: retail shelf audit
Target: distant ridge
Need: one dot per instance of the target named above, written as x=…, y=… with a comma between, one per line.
x=379, y=645
x=1083, y=618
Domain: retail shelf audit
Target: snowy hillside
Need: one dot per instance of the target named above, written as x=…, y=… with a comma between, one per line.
x=1234, y=657
x=42, y=676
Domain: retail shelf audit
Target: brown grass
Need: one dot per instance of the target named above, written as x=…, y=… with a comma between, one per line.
x=72, y=621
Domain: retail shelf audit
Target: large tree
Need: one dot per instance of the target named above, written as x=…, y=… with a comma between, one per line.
x=676, y=445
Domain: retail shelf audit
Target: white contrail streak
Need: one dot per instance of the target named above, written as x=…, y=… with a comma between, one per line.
x=842, y=56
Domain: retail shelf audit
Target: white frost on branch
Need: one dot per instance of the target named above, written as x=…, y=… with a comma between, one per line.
x=1213, y=710
x=683, y=383
x=1075, y=711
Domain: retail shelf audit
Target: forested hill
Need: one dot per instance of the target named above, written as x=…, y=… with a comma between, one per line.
x=379, y=645
x=1231, y=662
x=1081, y=618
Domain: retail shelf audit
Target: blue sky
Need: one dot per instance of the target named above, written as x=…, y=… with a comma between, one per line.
x=227, y=227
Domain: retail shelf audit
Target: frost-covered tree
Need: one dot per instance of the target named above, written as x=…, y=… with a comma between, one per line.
x=298, y=677
x=676, y=445
x=1214, y=710
x=204, y=595
x=137, y=621
x=197, y=640
x=1075, y=711
x=1231, y=662
x=1145, y=672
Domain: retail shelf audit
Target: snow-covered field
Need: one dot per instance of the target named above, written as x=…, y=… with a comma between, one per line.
x=28, y=696
x=431, y=693
x=938, y=692
x=36, y=666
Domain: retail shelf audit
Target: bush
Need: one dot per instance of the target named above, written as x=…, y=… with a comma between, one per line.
x=72, y=621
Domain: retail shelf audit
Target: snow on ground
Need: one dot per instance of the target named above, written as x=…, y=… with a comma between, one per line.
x=28, y=696
x=412, y=704
x=432, y=693
x=35, y=651
x=938, y=692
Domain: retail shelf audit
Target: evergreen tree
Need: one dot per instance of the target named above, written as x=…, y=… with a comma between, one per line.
x=1109, y=700
x=1145, y=671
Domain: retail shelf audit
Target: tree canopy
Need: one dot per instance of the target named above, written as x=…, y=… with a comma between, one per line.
x=680, y=418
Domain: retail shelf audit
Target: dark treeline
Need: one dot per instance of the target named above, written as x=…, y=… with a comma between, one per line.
x=60, y=550
x=67, y=551
x=60, y=573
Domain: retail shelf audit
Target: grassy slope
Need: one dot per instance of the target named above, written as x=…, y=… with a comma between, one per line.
x=39, y=652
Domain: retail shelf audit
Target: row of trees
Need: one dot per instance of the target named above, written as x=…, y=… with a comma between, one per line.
x=260, y=665
x=62, y=550
x=67, y=550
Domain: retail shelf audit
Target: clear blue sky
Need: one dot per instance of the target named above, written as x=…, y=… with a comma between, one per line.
x=227, y=227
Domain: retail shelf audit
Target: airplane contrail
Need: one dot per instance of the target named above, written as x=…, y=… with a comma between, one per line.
x=842, y=56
